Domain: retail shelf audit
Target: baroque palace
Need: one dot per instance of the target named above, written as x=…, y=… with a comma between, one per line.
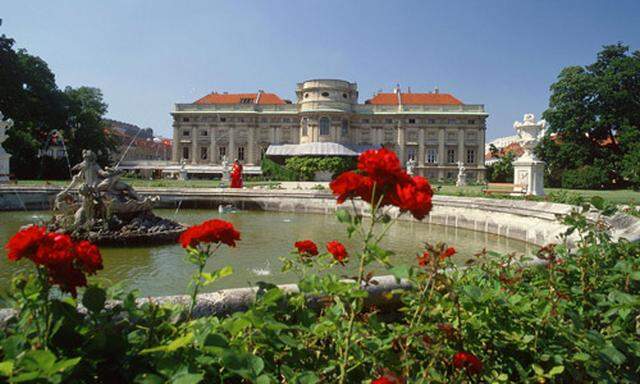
x=435, y=130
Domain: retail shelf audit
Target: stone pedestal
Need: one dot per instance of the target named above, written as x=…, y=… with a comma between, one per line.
x=4, y=156
x=528, y=171
x=528, y=175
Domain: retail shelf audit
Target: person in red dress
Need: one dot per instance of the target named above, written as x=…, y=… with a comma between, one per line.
x=236, y=174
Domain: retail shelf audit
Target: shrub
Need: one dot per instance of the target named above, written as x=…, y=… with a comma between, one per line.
x=585, y=177
x=305, y=167
x=273, y=171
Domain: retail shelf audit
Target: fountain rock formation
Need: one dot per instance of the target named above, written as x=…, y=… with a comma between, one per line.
x=106, y=210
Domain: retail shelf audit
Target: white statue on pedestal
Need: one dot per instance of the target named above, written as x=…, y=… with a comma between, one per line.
x=5, y=125
x=411, y=166
x=183, y=170
x=226, y=172
x=462, y=175
x=528, y=171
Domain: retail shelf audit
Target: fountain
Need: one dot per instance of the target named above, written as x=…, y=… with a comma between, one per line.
x=106, y=210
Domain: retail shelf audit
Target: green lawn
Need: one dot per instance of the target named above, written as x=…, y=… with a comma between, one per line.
x=164, y=183
x=620, y=196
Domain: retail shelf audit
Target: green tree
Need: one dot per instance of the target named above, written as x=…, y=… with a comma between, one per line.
x=29, y=95
x=594, y=112
x=502, y=170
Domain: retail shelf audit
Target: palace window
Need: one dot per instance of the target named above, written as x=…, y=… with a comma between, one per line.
x=185, y=119
x=325, y=125
x=203, y=133
x=185, y=153
x=388, y=121
x=204, y=153
x=432, y=121
x=241, y=153
x=246, y=100
x=222, y=152
x=186, y=133
x=432, y=156
x=345, y=128
x=451, y=156
x=412, y=121
x=365, y=121
x=263, y=119
x=325, y=94
x=411, y=153
x=471, y=156
x=306, y=95
x=471, y=122
x=305, y=126
x=344, y=95
x=452, y=122
x=223, y=119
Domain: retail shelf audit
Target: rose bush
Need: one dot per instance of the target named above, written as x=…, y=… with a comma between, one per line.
x=574, y=318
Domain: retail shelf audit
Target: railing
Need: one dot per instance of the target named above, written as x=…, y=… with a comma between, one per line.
x=223, y=108
x=464, y=108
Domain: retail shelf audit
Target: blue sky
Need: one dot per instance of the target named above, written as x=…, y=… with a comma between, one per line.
x=147, y=55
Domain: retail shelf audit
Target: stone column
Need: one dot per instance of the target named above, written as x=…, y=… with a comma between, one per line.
x=212, y=146
x=251, y=145
x=176, y=142
x=402, y=147
x=480, y=160
x=461, y=154
x=421, y=153
x=441, y=148
x=231, y=154
x=194, y=145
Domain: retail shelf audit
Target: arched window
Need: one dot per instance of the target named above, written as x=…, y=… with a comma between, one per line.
x=345, y=128
x=325, y=126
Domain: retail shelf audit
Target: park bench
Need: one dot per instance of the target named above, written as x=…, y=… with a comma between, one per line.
x=504, y=189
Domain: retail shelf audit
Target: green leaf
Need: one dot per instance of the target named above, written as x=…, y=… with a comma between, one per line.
x=343, y=216
x=64, y=365
x=597, y=202
x=149, y=378
x=244, y=364
x=176, y=344
x=538, y=369
x=187, y=378
x=94, y=299
x=6, y=368
x=38, y=360
x=613, y=355
x=401, y=271
x=558, y=369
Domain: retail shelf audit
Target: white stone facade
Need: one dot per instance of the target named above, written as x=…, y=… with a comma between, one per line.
x=437, y=136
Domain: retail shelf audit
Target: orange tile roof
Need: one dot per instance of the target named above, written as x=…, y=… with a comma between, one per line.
x=414, y=99
x=240, y=98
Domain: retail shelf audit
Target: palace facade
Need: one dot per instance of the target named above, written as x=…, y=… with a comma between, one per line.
x=435, y=129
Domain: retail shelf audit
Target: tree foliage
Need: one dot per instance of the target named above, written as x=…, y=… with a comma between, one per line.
x=305, y=167
x=502, y=170
x=30, y=96
x=594, y=111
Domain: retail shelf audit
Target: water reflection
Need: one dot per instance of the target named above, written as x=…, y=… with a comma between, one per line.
x=161, y=270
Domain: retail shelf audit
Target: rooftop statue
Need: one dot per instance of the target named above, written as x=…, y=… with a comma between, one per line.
x=106, y=206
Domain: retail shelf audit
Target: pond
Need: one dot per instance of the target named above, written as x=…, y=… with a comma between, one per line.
x=266, y=236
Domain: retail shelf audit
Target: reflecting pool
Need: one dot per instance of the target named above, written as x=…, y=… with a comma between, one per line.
x=266, y=236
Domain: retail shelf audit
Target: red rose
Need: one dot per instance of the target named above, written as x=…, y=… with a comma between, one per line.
x=55, y=248
x=447, y=253
x=25, y=242
x=306, y=248
x=389, y=378
x=468, y=361
x=414, y=196
x=211, y=231
x=88, y=256
x=67, y=277
x=337, y=250
x=350, y=185
x=382, y=165
x=424, y=259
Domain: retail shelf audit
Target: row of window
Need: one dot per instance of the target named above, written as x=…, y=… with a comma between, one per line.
x=225, y=119
x=431, y=156
x=222, y=152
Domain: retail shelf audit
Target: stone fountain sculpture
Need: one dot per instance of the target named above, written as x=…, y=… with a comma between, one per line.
x=107, y=210
x=5, y=125
x=462, y=175
x=411, y=166
x=226, y=172
x=528, y=170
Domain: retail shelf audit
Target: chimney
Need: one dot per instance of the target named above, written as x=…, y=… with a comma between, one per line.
x=436, y=90
x=408, y=89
